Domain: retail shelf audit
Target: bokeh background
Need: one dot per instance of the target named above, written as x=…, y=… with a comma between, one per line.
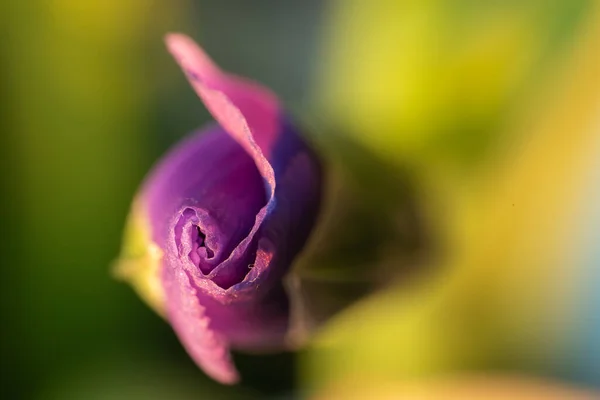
x=461, y=227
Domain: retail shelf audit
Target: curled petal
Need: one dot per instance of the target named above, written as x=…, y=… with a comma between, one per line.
x=229, y=208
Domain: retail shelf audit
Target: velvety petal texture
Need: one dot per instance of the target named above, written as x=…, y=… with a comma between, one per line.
x=221, y=217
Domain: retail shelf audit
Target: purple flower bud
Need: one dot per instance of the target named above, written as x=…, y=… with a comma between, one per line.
x=221, y=217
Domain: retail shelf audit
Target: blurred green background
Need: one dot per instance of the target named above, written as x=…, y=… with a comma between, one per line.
x=424, y=113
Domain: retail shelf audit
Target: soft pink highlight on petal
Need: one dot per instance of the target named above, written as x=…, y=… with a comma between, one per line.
x=248, y=111
x=191, y=325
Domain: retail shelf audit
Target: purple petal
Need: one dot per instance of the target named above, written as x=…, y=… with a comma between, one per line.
x=230, y=207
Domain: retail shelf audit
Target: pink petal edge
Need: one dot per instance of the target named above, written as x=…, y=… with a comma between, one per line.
x=250, y=114
x=205, y=347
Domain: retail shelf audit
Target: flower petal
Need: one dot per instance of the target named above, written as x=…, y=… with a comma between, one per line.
x=229, y=208
x=247, y=111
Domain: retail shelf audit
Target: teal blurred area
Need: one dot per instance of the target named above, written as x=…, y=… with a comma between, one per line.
x=586, y=342
x=89, y=100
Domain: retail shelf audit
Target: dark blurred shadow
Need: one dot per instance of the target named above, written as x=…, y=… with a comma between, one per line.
x=372, y=232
